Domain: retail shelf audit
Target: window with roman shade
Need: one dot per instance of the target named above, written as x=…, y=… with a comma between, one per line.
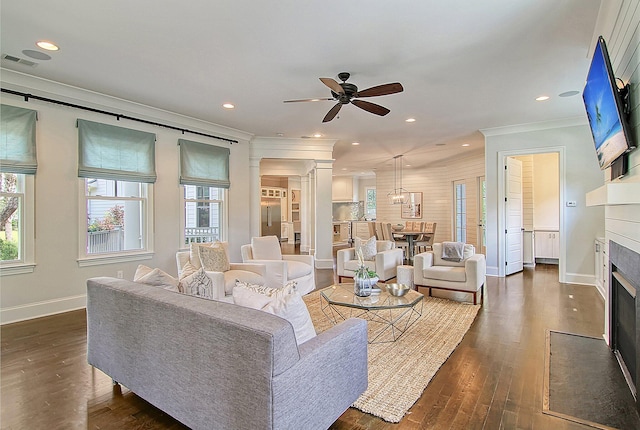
x=18, y=140
x=204, y=176
x=203, y=165
x=18, y=164
x=117, y=167
x=118, y=153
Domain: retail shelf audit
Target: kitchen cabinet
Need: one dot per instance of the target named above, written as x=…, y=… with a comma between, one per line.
x=362, y=229
x=285, y=228
x=295, y=205
x=342, y=189
x=273, y=192
x=601, y=265
x=547, y=244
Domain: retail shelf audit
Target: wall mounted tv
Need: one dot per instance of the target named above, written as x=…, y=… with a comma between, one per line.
x=607, y=108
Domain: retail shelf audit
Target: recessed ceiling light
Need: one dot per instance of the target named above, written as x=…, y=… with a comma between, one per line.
x=355, y=143
x=410, y=120
x=344, y=168
x=280, y=134
x=466, y=144
x=45, y=44
x=569, y=93
x=36, y=54
x=228, y=106
x=317, y=135
x=542, y=98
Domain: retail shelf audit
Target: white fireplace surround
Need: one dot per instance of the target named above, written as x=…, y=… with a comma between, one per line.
x=621, y=200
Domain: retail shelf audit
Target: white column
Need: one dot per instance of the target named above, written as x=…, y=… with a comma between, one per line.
x=323, y=214
x=305, y=215
x=254, y=193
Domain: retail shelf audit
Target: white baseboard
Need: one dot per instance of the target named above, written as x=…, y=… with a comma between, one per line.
x=324, y=263
x=492, y=271
x=42, y=309
x=580, y=278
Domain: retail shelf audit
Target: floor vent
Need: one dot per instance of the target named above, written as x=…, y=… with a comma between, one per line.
x=18, y=60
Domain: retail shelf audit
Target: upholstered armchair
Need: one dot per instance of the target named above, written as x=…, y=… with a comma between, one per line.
x=384, y=262
x=223, y=281
x=280, y=268
x=468, y=275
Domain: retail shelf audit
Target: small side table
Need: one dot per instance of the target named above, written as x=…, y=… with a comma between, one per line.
x=404, y=275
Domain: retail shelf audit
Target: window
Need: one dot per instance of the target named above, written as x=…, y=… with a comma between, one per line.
x=117, y=169
x=203, y=213
x=116, y=211
x=18, y=165
x=460, y=215
x=204, y=176
x=16, y=221
x=370, y=203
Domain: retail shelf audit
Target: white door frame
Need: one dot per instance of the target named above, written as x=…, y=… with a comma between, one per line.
x=502, y=155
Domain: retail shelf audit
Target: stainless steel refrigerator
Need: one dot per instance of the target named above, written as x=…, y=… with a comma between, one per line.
x=270, y=217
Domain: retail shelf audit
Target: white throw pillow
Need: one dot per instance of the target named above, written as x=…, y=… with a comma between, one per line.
x=187, y=270
x=284, y=302
x=266, y=248
x=194, y=254
x=368, y=247
x=197, y=284
x=213, y=258
x=155, y=277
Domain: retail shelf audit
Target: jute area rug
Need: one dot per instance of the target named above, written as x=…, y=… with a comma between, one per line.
x=400, y=371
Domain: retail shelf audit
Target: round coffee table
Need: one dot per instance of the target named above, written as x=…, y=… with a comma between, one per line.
x=388, y=316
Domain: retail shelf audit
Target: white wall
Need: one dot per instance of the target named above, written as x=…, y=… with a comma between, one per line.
x=581, y=174
x=57, y=283
x=546, y=192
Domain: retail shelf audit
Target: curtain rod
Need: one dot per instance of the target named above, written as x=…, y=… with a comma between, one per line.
x=117, y=115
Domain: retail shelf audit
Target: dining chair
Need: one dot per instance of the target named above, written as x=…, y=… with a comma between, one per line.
x=425, y=242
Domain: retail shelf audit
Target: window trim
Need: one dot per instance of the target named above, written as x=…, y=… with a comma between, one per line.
x=455, y=209
x=27, y=263
x=146, y=253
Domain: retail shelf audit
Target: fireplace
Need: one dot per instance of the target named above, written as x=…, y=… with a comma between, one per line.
x=624, y=306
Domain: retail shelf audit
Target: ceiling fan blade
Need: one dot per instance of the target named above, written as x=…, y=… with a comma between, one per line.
x=307, y=100
x=381, y=90
x=331, y=83
x=371, y=107
x=332, y=113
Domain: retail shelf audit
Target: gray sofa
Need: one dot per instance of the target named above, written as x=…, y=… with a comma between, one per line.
x=215, y=365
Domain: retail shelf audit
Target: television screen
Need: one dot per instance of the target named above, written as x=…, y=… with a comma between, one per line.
x=604, y=108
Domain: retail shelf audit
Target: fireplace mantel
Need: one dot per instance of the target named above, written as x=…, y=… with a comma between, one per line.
x=615, y=193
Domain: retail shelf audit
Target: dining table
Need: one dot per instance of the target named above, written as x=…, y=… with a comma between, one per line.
x=410, y=235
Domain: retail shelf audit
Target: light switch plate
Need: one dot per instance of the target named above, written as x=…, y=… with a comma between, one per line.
x=571, y=204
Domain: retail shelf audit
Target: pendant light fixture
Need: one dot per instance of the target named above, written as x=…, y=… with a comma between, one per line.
x=399, y=195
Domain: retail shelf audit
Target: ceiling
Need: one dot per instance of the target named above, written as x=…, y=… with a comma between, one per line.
x=466, y=65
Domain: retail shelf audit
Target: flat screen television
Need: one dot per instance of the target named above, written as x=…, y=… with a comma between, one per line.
x=604, y=104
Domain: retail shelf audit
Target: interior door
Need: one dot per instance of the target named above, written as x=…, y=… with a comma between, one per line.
x=513, y=208
x=482, y=215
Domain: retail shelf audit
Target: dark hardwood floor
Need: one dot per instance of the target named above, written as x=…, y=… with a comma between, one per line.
x=493, y=380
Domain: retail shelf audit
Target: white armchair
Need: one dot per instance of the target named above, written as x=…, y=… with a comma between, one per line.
x=385, y=262
x=224, y=282
x=280, y=268
x=468, y=275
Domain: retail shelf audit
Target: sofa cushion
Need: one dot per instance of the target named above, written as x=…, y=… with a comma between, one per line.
x=369, y=248
x=197, y=284
x=468, y=251
x=284, y=302
x=266, y=248
x=352, y=265
x=445, y=273
x=230, y=277
x=155, y=277
x=213, y=258
x=297, y=269
x=194, y=255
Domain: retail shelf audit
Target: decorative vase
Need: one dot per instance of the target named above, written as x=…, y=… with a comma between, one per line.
x=362, y=283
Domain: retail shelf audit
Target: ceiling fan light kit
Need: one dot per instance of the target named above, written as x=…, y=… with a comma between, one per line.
x=399, y=195
x=346, y=92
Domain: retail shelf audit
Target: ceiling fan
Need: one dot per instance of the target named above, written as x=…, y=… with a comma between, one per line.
x=345, y=93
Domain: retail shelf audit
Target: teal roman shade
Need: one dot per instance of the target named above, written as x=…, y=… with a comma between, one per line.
x=110, y=152
x=204, y=165
x=18, y=140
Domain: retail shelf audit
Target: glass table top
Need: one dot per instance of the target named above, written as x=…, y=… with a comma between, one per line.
x=343, y=295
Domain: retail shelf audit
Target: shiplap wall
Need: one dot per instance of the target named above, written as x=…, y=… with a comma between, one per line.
x=436, y=186
x=622, y=222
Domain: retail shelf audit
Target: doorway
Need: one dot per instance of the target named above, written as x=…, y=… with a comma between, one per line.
x=503, y=156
